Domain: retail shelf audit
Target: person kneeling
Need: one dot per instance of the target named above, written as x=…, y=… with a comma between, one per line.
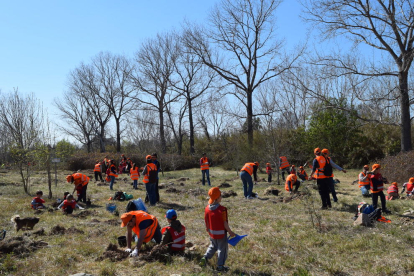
x=69, y=204
x=291, y=181
x=174, y=234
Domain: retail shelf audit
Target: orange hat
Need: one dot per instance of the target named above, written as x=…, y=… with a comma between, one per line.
x=148, y=157
x=376, y=166
x=126, y=218
x=394, y=183
x=214, y=193
x=69, y=178
x=325, y=151
x=256, y=163
x=301, y=167
x=366, y=167
x=411, y=180
x=293, y=166
x=317, y=151
x=267, y=164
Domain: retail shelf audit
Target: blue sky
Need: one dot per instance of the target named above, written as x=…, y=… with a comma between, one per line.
x=42, y=41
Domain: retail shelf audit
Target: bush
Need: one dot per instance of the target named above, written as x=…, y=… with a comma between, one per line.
x=398, y=168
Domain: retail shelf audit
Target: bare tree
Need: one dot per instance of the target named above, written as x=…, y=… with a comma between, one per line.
x=386, y=26
x=155, y=67
x=243, y=31
x=176, y=124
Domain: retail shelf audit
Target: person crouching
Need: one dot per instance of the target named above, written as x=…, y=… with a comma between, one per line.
x=69, y=204
x=174, y=234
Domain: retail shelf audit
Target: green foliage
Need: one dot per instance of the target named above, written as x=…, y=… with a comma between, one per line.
x=7, y=264
x=64, y=149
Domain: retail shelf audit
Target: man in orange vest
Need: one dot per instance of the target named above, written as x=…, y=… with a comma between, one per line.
x=205, y=169
x=284, y=166
x=246, y=173
x=363, y=181
x=292, y=180
x=144, y=225
x=150, y=174
x=97, y=170
x=174, y=234
x=302, y=174
x=81, y=185
x=322, y=180
x=330, y=163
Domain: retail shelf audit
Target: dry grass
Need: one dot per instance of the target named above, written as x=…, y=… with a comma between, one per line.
x=282, y=239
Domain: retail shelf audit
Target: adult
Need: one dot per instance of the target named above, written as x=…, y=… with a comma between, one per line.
x=98, y=171
x=144, y=225
x=408, y=187
x=363, y=181
x=154, y=158
x=205, y=169
x=292, y=180
x=174, y=233
x=322, y=180
x=246, y=173
x=113, y=173
x=150, y=180
x=292, y=169
x=81, y=185
x=377, y=187
x=284, y=166
x=328, y=172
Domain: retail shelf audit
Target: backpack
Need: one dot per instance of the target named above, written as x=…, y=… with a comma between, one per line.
x=130, y=206
x=376, y=214
x=119, y=196
x=327, y=170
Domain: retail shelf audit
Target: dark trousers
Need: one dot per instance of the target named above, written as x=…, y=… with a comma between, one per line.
x=206, y=173
x=152, y=196
x=68, y=210
x=332, y=189
x=375, y=200
x=285, y=170
x=98, y=174
x=269, y=177
x=157, y=191
x=82, y=196
x=323, y=188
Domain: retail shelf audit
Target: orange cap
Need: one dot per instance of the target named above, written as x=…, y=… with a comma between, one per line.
x=267, y=164
x=411, y=180
x=366, y=167
x=148, y=157
x=69, y=178
x=256, y=163
x=317, y=151
x=293, y=166
x=325, y=151
x=394, y=183
x=376, y=166
x=214, y=193
x=126, y=218
x=301, y=167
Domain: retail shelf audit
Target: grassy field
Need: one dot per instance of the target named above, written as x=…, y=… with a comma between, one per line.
x=285, y=236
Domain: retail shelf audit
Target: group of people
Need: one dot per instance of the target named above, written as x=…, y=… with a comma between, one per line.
x=67, y=205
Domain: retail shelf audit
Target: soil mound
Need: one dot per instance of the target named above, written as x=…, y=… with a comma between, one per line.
x=157, y=253
x=58, y=230
x=196, y=192
x=172, y=190
x=40, y=232
x=20, y=246
x=113, y=254
x=84, y=214
x=74, y=230
x=114, y=222
x=224, y=185
x=228, y=194
x=272, y=191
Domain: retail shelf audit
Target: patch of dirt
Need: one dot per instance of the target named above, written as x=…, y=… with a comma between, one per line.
x=183, y=179
x=74, y=230
x=196, y=192
x=182, y=184
x=113, y=254
x=261, y=180
x=58, y=230
x=20, y=246
x=228, y=194
x=224, y=185
x=172, y=190
x=40, y=232
x=36, y=212
x=55, y=204
x=157, y=253
x=102, y=184
x=84, y=214
x=114, y=222
x=272, y=191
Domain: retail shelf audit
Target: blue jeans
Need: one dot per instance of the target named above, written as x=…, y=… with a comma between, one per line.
x=365, y=190
x=206, y=172
x=152, y=193
x=135, y=184
x=246, y=178
x=111, y=185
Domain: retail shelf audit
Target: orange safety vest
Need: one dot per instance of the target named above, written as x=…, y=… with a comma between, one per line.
x=97, y=167
x=284, y=162
x=204, y=163
x=150, y=167
x=379, y=188
x=363, y=183
x=303, y=172
x=290, y=180
x=79, y=178
x=319, y=171
x=214, y=222
x=134, y=173
x=248, y=167
x=178, y=238
x=392, y=189
x=141, y=216
x=110, y=171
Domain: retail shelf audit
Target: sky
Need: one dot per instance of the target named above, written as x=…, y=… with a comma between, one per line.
x=42, y=41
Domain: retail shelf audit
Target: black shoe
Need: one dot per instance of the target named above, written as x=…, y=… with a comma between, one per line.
x=387, y=211
x=329, y=206
x=324, y=208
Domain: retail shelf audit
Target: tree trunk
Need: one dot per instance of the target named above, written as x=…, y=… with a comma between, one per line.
x=118, y=135
x=405, y=113
x=250, y=118
x=162, y=134
x=49, y=175
x=102, y=137
x=190, y=120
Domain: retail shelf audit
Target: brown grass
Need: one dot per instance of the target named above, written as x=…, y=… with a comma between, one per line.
x=282, y=238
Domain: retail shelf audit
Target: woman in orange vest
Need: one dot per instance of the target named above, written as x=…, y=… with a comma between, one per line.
x=292, y=180
x=112, y=173
x=377, y=187
x=134, y=174
x=246, y=173
x=174, y=233
x=150, y=174
x=97, y=170
x=205, y=169
x=144, y=225
x=392, y=191
x=363, y=181
x=322, y=180
x=284, y=166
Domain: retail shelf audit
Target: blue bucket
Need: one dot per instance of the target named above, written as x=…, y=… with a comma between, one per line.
x=234, y=241
x=111, y=207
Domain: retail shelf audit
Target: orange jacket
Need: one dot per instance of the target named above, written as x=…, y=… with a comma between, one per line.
x=248, y=167
x=204, y=164
x=363, y=182
x=150, y=167
x=141, y=216
x=214, y=221
x=134, y=173
x=79, y=178
x=283, y=162
x=319, y=171
x=97, y=167
x=292, y=178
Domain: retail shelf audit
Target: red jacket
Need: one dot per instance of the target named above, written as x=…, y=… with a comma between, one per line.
x=214, y=220
x=36, y=202
x=178, y=238
x=68, y=203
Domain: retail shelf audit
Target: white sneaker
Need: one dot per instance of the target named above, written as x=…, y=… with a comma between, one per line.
x=250, y=197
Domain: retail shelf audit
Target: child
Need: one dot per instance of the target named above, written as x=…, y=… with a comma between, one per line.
x=37, y=202
x=377, y=186
x=363, y=181
x=217, y=226
x=292, y=169
x=392, y=191
x=410, y=186
x=174, y=234
x=97, y=171
x=134, y=175
x=269, y=172
x=69, y=204
x=65, y=195
x=302, y=174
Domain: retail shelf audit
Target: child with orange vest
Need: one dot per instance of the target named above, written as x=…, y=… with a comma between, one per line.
x=97, y=170
x=174, y=234
x=215, y=217
x=392, y=191
x=134, y=174
x=69, y=204
x=292, y=180
x=410, y=186
x=302, y=173
x=363, y=181
x=269, y=172
x=37, y=202
x=377, y=187
x=112, y=173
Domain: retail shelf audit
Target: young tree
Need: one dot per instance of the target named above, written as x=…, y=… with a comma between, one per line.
x=242, y=31
x=386, y=26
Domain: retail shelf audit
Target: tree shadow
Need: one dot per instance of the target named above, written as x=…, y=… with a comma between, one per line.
x=174, y=206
